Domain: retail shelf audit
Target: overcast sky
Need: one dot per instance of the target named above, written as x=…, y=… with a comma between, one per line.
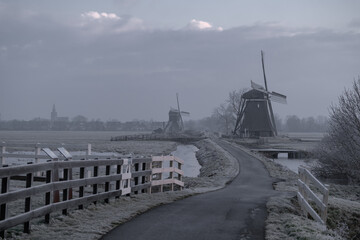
x=127, y=59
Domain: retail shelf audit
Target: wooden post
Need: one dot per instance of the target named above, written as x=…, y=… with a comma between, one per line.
x=151, y=176
x=325, y=201
x=65, y=190
x=143, y=180
x=5, y=183
x=180, y=176
x=81, y=188
x=29, y=179
x=95, y=187
x=37, y=153
x=107, y=184
x=2, y=159
x=161, y=176
x=118, y=171
x=136, y=179
x=88, y=151
x=48, y=195
x=172, y=174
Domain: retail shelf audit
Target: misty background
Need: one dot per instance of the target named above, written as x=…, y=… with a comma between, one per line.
x=126, y=60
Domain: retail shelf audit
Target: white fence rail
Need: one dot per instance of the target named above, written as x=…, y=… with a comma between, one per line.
x=173, y=169
x=305, y=194
x=64, y=184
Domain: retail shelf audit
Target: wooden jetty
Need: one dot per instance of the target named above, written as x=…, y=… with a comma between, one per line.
x=274, y=153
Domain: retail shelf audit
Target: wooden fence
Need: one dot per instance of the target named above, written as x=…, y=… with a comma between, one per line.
x=156, y=137
x=305, y=194
x=66, y=185
x=158, y=171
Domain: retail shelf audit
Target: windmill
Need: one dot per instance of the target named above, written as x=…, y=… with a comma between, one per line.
x=256, y=117
x=175, y=123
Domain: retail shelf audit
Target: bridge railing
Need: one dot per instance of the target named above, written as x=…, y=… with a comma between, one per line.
x=166, y=170
x=66, y=185
x=305, y=194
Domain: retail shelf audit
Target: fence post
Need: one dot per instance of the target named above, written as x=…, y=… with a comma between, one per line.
x=48, y=195
x=161, y=175
x=325, y=201
x=37, y=153
x=88, y=151
x=143, y=178
x=172, y=174
x=5, y=183
x=29, y=180
x=118, y=171
x=65, y=190
x=55, y=175
x=180, y=176
x=107, y=184
x=149, y=178
x=68, y=176
x=81, y=188
x=136, y=179
x=95, y=186
x=3, y=149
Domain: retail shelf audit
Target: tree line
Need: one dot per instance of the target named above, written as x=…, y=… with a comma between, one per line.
x=223, y=118
x=79, y=123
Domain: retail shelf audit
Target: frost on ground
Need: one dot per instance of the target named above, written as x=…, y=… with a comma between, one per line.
x=285, y=219
x=218, y=167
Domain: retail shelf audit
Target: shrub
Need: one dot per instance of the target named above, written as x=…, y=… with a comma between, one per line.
x=339, y=151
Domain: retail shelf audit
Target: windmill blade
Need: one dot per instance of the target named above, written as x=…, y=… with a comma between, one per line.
x=263, y=67
x=185, y=113
x=177, y=99
x=277, y=97
x=257, y=86
x=181, y=120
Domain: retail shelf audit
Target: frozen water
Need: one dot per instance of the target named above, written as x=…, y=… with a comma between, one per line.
x=191, y=166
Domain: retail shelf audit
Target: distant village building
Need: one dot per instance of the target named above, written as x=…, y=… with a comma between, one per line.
x=57, y=123
x=53, y=114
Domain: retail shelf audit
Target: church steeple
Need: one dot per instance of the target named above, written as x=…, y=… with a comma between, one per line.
x=53, y=114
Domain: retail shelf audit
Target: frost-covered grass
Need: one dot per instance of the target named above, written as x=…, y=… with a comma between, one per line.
x=218, y=167
x=285, y=219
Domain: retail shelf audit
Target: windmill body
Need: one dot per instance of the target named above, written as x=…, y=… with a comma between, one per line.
x=256, y=118
x=175, y=124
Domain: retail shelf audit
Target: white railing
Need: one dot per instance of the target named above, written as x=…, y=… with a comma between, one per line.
x=107, y=177
x=170, y=165
x=305, y=194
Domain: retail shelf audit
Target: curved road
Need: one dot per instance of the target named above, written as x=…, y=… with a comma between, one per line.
x=237, y=211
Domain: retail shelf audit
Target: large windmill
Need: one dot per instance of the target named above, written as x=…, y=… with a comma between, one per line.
x=175, y=123
x=256, y=117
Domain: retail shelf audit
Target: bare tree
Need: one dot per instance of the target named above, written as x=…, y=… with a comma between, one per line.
x=225, y=114
x=237, y=104
x=339, y=152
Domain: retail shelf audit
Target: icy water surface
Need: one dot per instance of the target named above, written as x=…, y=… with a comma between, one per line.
x=294, y=164
x=191, y=166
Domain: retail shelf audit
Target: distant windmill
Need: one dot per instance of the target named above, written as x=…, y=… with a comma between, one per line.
x=256, y=118
x=175, y=123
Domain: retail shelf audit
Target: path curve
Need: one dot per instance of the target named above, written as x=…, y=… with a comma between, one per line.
x=237, y=211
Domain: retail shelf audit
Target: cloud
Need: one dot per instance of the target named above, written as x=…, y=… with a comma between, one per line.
x=100, y=16
x=125, y=71
x=201, y=25
x=100, y=23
